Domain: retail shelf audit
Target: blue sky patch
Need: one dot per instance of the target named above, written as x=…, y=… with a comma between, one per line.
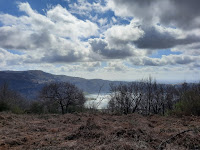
x=166, y=52
x=16, y=52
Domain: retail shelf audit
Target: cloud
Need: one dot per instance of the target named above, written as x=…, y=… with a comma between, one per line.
x=123, y=34
x=168, y=24
x=67, y=25
x=140, y=9
x=190, y=49
x=184, y=14
x=58, y=21
x=55, y=37
x=71, y=56
x=81, y=67
x=116, y=66
x=165, y=60
x=103, y=21
x=156, y=38
x=9, y=38
x=117, y=42
x=83, y=7
x=100, y=47
x=136, y=39
x=8, y=58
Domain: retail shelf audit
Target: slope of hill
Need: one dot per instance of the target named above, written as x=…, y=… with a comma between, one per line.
x=98, y=132
x=29, y=83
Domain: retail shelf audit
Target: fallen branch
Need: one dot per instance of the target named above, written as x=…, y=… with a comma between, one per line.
x=173, y=137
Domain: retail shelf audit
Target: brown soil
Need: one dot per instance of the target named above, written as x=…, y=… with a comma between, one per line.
x=97, y=131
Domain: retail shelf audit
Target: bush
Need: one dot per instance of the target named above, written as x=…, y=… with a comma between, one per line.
x=36, y=108
x=74, y=108
x=189, y=104
x=11, y=100
x=16, y=110
x=4, y=106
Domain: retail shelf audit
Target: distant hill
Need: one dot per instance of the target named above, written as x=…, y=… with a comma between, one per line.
x=29, y=83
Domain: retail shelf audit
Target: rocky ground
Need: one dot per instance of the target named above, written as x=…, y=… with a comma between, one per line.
x=98, y=132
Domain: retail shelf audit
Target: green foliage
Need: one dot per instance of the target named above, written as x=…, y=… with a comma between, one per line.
x=52, y=107
x=11, y=100
x=36, y=108
x=4, y=106
x=16, y=110
x=189, y=104
x=74, y=108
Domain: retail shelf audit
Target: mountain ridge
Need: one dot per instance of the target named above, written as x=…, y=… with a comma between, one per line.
x=29, y=83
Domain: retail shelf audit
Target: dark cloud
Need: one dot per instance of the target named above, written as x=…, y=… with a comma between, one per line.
x=153, y=39
x=101, y=47
x=57, y=58
x=41, y=39
x=14, y=38
x=183, y=60
x=183, y=14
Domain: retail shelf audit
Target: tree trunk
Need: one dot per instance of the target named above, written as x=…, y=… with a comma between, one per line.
x=62, y=108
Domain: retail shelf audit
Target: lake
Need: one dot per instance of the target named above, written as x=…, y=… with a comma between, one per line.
x=95, y=101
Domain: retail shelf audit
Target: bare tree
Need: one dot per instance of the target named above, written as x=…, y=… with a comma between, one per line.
x=149, y=94
x=126, y=98
x=146, y=97
x=64, y=94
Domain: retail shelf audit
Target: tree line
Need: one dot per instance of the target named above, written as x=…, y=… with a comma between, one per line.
x=148, y=97
x=145, y=97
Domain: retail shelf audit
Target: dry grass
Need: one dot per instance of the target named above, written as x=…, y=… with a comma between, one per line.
x=96, y=131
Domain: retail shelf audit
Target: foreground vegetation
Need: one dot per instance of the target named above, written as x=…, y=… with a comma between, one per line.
x=98, y=131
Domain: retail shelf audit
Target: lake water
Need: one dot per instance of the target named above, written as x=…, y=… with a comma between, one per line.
x=99, y=102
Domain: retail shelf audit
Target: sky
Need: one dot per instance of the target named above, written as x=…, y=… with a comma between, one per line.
x=107, y=39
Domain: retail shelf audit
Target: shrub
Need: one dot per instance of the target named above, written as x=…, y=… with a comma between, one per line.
x=4, y=106
x=16, y=110
x=11, y=100
x=189, y=104
x=36, y=108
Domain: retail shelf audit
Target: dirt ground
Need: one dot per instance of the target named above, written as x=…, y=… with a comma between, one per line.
x=98, y=132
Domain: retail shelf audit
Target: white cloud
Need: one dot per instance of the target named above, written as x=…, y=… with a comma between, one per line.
x=83, y=7
x=124, y=34
x=114, y=19
x=116, y=66
x=169, y=60
x=55, y=37
x=67, y=25
x=58, y=21
x=102, y=21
